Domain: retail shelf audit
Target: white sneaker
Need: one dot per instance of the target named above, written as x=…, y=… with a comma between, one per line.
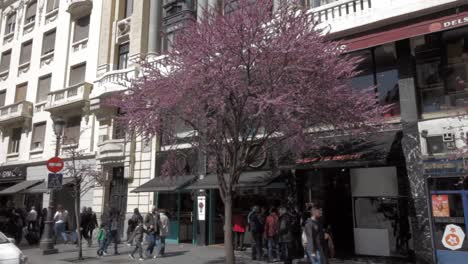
x=104, y=253
x=141, y=259
x=131, y=256
x=155, y=257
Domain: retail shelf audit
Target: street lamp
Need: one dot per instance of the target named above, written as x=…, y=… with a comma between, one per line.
x=47, y=243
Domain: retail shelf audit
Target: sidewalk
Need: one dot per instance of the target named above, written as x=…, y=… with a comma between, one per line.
x=179, y=254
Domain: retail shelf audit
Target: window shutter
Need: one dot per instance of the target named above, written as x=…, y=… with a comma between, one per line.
x=77, y=74
x=6, y=58
x=21, y=93
x=2, y=98
x=81, y=29
x=26, y=52
x=38, y=136
x=43, y=88
x=48, y=43
x=52, y=5
x=31, y=11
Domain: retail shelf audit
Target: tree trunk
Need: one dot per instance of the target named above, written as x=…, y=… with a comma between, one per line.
x=77, y=218
x=228, y=247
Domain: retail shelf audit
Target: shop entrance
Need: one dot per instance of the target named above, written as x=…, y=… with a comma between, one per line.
x=449, y=207
x=179, y=208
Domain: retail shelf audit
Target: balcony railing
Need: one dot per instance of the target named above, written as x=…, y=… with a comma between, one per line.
x=340, y=9
x=114, y=81
x=69, y=97
x=15, y=112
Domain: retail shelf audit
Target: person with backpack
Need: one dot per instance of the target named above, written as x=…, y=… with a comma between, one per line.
x=256, y=226
x=315, y=236
x=285, y=236
x=271, y=234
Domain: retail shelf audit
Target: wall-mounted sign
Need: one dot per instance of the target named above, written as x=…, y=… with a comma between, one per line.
x=453, y=237
x=440, y=206
x=201, y=204
x=11, y=174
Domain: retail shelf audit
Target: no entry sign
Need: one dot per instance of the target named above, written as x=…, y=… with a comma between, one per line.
x=55, y=164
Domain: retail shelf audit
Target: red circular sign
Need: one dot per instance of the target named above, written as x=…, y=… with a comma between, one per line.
x=55, y=164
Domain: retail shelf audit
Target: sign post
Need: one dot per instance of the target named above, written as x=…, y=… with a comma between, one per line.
x=55, y=181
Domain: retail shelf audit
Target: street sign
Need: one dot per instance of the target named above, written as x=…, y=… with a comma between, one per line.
x=54, y=181
x=55, y=164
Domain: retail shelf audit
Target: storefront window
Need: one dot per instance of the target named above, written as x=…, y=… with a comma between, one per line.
x=441, y=69
x=378, y=69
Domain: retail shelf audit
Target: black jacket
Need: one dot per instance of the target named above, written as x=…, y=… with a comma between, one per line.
x=315, y=236
x=285, y=232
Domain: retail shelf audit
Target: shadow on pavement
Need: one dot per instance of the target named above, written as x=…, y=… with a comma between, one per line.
x=175, y=253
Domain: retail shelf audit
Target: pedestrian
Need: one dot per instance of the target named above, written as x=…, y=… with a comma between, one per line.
x=256, y=229
x=101, y=239
x=31, y=219
x=238, y=227
x=271, y=234
x=92, y=225
x=113, y=230
x=60, y=221
x=285, y=236
x=132, y=224
x=164, y=230
x=85, y=219
x=152, y=223
x=42, y=220
x=315, y=234
x=137, y=238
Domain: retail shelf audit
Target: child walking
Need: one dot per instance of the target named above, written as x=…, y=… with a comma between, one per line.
x=101, y=238
x=137, y=238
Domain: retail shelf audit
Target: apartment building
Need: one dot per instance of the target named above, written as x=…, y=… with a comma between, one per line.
x=48, y=64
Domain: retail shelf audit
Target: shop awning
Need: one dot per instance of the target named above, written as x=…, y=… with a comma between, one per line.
x=407, y=31
x=20, y=187
x=165, y=184
x=42, y=188
x=248, y=179
x=378, y=149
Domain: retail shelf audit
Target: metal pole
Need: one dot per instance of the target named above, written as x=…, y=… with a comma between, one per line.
x=47, y=243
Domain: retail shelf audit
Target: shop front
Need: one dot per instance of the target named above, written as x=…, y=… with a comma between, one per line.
x=448, y=198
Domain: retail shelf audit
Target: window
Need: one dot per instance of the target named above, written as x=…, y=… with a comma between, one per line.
x=378, y=68
x=71, y=133
x=128, y=8
x=123, y=56
x=77, y=74
x=10, y=24
x=38, y=136
x=81, y=29
x=5, y=63
x=442, y=70
x=48, y=42
x=20, y=94
x=2, y=98
x=52, y=5
x=43, y=88
x=30, y=13
x=15, y=138
x=317, y=3
x=26, y=49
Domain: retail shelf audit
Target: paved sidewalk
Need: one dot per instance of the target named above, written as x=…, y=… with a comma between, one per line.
x=178, y=254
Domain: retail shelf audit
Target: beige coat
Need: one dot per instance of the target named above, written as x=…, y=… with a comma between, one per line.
x=164, y=220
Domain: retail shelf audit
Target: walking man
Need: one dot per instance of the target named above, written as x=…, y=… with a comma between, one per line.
x=113, y=230
x=153, y=224
x=285, y=236
x=271, y=234
x=164, y=232
x=137, y=238
x=315, y=247
x=256, y=229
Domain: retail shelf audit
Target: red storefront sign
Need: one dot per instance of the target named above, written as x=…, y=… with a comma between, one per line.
x=408, y=31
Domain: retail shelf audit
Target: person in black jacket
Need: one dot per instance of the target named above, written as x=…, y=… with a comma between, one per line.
x=256, y=226
x=315, y=233
x=285, y=236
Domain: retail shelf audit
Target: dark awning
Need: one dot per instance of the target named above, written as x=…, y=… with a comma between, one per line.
x=165, y=184
x=378, y=149
x=42, y=188
x=248, y=179
x=20, y=187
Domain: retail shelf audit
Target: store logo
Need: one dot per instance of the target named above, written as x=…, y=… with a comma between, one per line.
x=456, y=22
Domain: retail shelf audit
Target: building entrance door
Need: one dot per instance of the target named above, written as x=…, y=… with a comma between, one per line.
x=118, y=195
x=449, y=209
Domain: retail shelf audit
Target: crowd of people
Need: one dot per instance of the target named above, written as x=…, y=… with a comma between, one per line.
x=280, y=234
x=19, y=222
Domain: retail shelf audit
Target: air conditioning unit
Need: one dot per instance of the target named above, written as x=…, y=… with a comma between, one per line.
x=448, y=137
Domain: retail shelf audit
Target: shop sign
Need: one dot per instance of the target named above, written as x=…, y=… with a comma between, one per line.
x=453, y=237
x=9, y=174
x=330, y=158
x=201, y=204
x=440, y=206
x=443, y=166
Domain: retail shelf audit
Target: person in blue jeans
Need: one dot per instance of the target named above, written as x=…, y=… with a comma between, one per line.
x=153, y=241
x=315, y=234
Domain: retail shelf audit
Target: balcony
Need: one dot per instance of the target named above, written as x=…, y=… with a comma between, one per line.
x=343, y=15
x=111, y=150
x=16, y=113
x=77, y=8
x=73, y=97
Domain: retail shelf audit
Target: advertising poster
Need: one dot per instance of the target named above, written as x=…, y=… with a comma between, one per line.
x=440, y=206
x=201, y=208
